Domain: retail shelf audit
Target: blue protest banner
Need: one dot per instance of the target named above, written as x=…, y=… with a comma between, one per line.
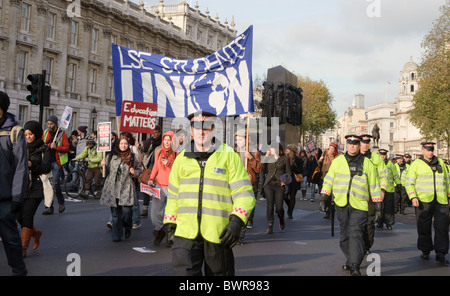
x=220, y=83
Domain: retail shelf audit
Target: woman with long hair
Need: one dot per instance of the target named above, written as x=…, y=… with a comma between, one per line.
x=324, y=163
x=297, y=168
x=39, y=162
x=164, y=159
x=277, y=166
x=119, y=190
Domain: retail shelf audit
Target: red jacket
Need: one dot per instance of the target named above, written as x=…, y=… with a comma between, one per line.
x=62, y=145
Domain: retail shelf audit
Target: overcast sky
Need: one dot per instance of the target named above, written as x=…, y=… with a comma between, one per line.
x=354, y=46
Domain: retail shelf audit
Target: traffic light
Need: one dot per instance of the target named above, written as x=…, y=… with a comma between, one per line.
x=36, y=88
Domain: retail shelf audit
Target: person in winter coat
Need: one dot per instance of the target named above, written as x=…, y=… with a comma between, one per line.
x=119, y=190
x=13, y=184
x=297, y=168
x=39, y=162
x=58, y=141
x=277, y=166
x=159, y=178
x=324, y=163
x=94, y=169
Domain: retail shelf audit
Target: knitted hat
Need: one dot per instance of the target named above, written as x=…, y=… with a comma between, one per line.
x=82, y=129
x=53, y=118
x=35, y=128
x=4, y=102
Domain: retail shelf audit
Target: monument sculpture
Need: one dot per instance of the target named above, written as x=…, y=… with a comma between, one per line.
x=376, y=135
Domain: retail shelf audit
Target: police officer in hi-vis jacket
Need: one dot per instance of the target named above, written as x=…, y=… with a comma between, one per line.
x=209, y=202
x=352, y=180
x=427, y=185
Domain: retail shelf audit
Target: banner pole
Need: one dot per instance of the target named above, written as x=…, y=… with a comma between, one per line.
x=246, y=137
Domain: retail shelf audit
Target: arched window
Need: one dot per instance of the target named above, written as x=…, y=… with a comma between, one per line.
x=412, y=76
x=412, y=88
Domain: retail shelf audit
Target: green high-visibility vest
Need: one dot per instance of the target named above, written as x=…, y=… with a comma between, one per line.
x=422, y=183
x=358, y=191
x=63, y=157
x=201, y=199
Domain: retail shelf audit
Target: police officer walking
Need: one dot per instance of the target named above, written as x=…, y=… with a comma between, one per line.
x=428, y=187
x=382, y=176
x=210, y=199
x=352, y=179
x=388, y=212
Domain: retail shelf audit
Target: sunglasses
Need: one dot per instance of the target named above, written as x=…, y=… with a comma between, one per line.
x=203, y=125
x=365, y=141
x=354, y=142
x=428, y=148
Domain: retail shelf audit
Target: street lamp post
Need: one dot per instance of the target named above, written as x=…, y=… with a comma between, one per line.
x=94, y=115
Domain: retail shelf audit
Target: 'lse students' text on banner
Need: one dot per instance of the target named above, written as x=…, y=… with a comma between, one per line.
x=220, y=83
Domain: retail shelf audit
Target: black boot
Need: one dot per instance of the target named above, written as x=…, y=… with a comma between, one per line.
x=48, y=211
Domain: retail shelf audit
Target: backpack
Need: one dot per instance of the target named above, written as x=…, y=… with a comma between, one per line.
x=13, y=134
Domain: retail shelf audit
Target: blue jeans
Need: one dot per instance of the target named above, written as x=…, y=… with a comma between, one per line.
x=121, y=218
x=158, y=207
x=58, y=176
x=12, y=243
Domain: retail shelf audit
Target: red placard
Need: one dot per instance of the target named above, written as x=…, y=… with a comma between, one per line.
x=138, y=117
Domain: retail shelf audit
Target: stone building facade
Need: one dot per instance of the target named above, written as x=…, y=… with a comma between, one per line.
x=71, y=40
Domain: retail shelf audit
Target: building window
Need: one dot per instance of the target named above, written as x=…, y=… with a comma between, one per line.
x=26, y=16
x=92, y=80
x=200, y=36
x=23, y=114
x=110, y=86
x=412, y=76
x=48, y=67
x=74, y=34
x=391, y=124
x=21, y=66
x=113, y=39
x=412, y=88
x=51, y=28
x=71, y=75
x=94, y=40
x=391, y=137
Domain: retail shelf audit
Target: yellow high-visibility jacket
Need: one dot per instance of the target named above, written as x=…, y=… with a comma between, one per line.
x=361, y=188
x=382, y=170
x=422, y=183
x=393, y=176
x=201, y=200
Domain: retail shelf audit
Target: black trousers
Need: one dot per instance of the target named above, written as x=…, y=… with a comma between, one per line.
x=274, y=195
x=369, y=234
x=189, y=256
x=425, y=214
x=401, y=199
x=353, y=225
x=25, y=216
x=388, y=215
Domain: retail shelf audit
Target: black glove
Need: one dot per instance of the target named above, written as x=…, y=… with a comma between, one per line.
x=15, y=207
x=378, y=207
x=323, y=202
x=170, y=227
x=231, y=233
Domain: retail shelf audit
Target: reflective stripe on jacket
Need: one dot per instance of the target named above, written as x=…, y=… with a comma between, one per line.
x=393, y=177
x=382, y=170
x=337, y=182
x=421, y=183
x=202, y=199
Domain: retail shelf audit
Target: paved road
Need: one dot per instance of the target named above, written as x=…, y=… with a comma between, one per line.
x=305, y=247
